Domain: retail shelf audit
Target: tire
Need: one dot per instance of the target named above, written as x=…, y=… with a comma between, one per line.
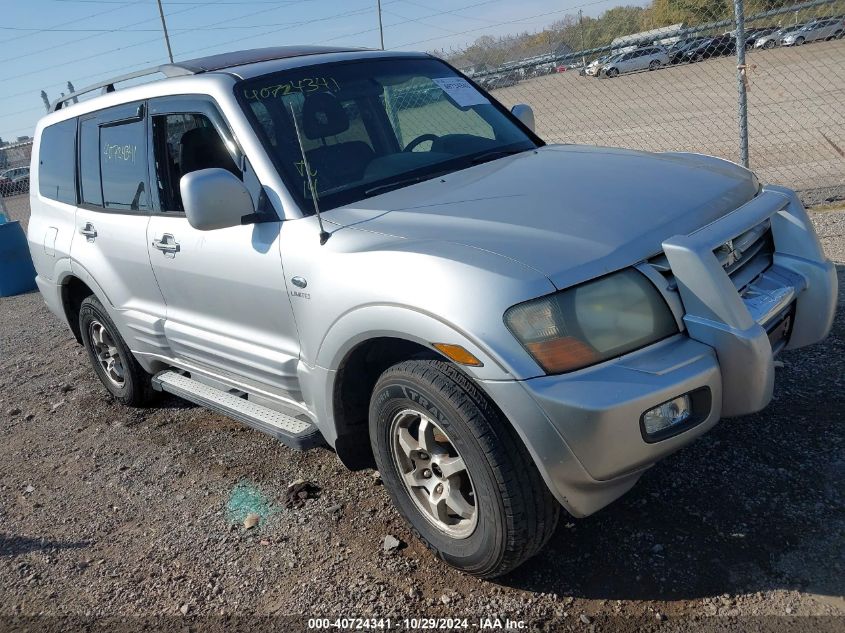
x=612, y=72
x=838, y=35
x=769, y=45
x=799, y=41
x=508, y=512
x=126, y=380
x=654, y=64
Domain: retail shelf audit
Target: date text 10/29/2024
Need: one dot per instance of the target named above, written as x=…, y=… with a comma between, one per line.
x=417, y=624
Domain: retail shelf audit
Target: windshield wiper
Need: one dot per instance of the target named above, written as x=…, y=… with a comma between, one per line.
x=404, y=182
x=495, y=154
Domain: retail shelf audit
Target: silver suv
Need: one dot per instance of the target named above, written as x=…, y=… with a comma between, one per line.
x=364, y=250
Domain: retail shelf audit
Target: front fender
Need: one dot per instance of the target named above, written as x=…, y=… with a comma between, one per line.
x=377, y=321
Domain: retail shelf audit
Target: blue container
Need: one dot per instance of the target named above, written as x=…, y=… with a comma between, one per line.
x=17, y=274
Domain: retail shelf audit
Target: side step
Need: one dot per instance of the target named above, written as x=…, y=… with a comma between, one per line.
x=294, y=432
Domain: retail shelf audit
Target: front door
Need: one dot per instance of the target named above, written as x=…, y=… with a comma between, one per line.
x=227, y=306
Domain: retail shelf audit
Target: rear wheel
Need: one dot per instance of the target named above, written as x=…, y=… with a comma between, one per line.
x=113, y=363
x=654, y=64
x=457, y=471
x=838, y=35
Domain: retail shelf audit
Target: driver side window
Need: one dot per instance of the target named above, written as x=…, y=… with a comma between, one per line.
x=183, y=143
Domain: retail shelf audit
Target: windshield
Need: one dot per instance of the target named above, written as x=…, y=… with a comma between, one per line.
x=375, y=125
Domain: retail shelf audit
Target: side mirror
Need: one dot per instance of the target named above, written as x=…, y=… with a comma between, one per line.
x=214, y=199
x=524, y=113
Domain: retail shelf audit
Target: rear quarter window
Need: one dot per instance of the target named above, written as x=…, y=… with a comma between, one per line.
x=57, y=162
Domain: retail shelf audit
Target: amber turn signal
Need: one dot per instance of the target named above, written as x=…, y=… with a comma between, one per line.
x=562, y=354
x=458, y=354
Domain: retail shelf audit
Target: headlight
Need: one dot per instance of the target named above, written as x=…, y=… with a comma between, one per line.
x=593, y=322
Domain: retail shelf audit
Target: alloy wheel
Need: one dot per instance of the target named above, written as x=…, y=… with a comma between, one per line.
x=107, y=353
x=434, y=473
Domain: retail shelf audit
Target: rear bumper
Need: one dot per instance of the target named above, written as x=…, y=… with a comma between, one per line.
x=52, y=295
x=583, y=429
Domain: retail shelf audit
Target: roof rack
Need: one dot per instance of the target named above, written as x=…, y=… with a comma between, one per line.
x=168, y=70
x=206, y=64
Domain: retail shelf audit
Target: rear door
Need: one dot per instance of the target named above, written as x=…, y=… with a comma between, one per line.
x=228, y=312
x=110, y=243
x=640, y=60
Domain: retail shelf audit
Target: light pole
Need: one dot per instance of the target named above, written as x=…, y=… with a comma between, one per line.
x=164, y=28
x=380, y=27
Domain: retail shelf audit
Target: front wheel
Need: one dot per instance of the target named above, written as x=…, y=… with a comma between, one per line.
x=612, y=72
x=799, y=41
x=457, y=471
x=114, y=364
x=769, y=45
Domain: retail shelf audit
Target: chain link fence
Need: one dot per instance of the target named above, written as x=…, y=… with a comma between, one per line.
x=682, y=77
x=664, y=76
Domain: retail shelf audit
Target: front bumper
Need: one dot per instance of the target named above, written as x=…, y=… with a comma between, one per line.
x=583, y=428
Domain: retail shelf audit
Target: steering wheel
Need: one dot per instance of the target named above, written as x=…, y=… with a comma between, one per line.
x=422, y=138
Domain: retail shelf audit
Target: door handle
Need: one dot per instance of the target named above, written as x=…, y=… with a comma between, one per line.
x=167, y=244
x=88, y=231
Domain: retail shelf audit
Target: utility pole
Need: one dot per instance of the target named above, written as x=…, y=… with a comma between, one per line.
x=164, y=28
x=380, y=26
x=581, y=28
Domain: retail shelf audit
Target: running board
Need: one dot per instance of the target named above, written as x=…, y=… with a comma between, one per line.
x=293, y=432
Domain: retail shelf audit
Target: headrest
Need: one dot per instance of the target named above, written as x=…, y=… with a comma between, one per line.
x=202, y=147
x=323, y=115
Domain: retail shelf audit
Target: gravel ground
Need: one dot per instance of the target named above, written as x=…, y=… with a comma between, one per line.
x=131, y=516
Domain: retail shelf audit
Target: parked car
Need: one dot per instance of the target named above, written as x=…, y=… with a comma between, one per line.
x=648, y=58
x=753, y=34
x=677, y=50
x=772, y=40
x=594, y=67
x=501, y=80
x=419, y=297
x=14, y=181
x=711, y=47
x=829, y=29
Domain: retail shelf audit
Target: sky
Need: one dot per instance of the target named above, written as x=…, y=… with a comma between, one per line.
x=46, y=43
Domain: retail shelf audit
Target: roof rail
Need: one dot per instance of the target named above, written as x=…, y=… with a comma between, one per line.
x=210, y=63
x=168, y=70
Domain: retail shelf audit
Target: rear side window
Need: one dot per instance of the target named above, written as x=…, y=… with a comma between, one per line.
x=113, y=160
x=56, y=161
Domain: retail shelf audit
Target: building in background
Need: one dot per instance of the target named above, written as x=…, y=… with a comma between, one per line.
x=664, y=35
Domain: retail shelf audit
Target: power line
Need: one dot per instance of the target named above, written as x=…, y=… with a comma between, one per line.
x=93, y=15
x=512, y=21
x=191, y=2
x=142, y=64
x=147, y=41
x=89, y=37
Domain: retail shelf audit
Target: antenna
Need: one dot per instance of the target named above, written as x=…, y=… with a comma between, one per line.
x=324, y=236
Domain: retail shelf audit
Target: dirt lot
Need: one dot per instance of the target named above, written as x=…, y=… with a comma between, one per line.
x=134, y=518
x=796, y=112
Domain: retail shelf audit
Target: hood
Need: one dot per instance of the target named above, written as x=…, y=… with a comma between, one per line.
x=569, y=212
